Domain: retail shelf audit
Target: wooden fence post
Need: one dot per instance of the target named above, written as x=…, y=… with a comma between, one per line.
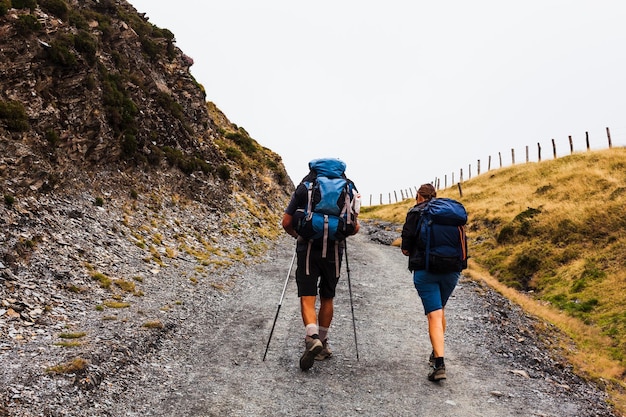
x=571, y=145
x=553, y=149
x=478, y=167
x=500, y=156
x=539, y=151
x=489, y=164
x=452, y=178
x=469, y=172
x=587, y=139
x=527, y=154
x=461, y=175
x=389, y=198
x=608, y=135
x=460, y=189
x=512, y=156
x=445, y=181
x=395, y=195
x=381, y=199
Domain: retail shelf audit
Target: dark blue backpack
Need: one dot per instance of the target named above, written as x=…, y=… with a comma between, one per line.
x=441, y=231
x=329, y=212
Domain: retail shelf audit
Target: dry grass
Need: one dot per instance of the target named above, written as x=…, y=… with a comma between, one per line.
x=154, y=324
x=116, y=304
x=76, y=365
x=76, y=335
x=551, y=236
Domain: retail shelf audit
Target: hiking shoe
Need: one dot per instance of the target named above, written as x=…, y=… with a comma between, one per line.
x=431, y=359
x=437, y=373
x=325, y=353
x=313, y=347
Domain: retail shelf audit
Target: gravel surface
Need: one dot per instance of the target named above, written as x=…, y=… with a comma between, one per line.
x=207, y=358
x=212, y=364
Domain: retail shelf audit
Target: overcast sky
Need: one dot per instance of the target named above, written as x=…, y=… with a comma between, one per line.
x=408, y=91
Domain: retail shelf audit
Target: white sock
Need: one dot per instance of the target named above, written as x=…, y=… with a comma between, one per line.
x=311, y=329
x=323, y=333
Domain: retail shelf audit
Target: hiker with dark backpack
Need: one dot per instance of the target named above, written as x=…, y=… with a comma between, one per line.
x=433, y=237
x=322, y=213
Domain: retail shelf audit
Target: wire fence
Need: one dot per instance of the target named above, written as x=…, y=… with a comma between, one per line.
x=438, y=182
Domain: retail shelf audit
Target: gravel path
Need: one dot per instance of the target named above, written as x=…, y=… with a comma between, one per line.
x=211, y=363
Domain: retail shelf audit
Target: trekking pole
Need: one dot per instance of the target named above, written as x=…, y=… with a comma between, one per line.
x=279, y=304
x=356, y=345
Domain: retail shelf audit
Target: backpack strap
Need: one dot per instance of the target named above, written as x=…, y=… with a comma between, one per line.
x=307, y=270
x=337, y=265
x=346, y=212
x=325, y=236
x=309, y=204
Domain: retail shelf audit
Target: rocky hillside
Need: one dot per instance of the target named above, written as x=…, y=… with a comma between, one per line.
x=120, y=183
x=92, y=89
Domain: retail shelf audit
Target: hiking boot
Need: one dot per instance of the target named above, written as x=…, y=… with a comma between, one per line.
x=313, y=347
x=437, y=373
x=325, y=353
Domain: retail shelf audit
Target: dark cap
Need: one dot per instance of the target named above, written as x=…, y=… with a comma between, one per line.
x=427, y=191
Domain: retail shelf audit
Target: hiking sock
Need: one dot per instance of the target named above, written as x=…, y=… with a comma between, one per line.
x=311, y=329
x=439, y=362
x=323, y=333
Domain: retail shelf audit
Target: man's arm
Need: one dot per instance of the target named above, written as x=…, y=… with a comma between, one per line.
x=288, y=225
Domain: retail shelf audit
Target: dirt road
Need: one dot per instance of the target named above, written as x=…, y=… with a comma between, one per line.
x=212, y=365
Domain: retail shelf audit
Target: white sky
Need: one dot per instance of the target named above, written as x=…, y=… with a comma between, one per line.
x=406, y=91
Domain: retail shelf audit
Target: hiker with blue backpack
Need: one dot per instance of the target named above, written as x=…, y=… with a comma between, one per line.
x=322, y=213
x=433, y=237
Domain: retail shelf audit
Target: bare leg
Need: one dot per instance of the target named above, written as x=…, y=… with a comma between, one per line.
x=436, y=328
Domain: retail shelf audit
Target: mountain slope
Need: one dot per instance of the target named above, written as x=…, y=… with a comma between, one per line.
x=91, y=87
x=126, y=196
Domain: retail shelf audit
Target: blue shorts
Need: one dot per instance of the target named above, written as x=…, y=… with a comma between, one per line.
x=434, y=289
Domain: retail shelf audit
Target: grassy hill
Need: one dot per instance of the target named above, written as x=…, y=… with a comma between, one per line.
x=552, y=237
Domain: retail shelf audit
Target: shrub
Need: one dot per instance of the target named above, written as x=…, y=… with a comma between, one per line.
x=565, y=232
x=99, y=201
x=9, y=200
x=24, y=4
x=57, y=8
x=121, y=110
x=245, y=142
x=60, y=55
x=83, y=42
x=14, y=116
x=129, y=145
x=223, y=172
x=233, y=154
x=5, y=5
x=78, y=20
x=150, y=48
x=52, y=137
x=26, y=24
x=525, y=265
x=170, y=105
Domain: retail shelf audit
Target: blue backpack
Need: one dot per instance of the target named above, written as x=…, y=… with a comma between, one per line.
x=329, y=213
x=441, y=231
